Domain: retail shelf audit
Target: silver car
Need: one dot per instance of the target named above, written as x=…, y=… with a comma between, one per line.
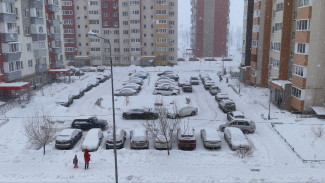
x=245, y=125
x=162, y=143
x=139, y=139
x=236, y=139
x=120, y=139
x=210, y=138
x=182, y=112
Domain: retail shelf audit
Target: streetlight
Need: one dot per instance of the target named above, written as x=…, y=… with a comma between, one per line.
x=113, y=106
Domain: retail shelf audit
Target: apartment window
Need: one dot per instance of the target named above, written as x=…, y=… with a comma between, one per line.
x=171, y=22
x=125, y=13
x=95, y=31
x=125, y=23
x=171, y=58
x=152, y=44
x=257, y=13
x=29, y=47
x=116, y=50
x=66, y=3
x=95, y=40
x=279, y=7
x=302, y=25
x=105, y=5
x=126, y=50
x=135, y=12
x=171, y=4
x=135, y=31
x=302, y=3
x=93, y=21
x=116, y=32
x=254, y=43
x=14, y=47
x=116, y=41
x=30, y=63
x=134, y=2
x=171, y=31
x=95, y=49
x=135, y=49
x=171, y=13
x=10, y=8
x=256, y=28
x=135, y=40
x=171, y=49
x=144, y=26
x=26, y=13
x=115, y=14
x=275, y=63
x=161, y=21
x=125, y=31
x=161, y=12
x=296, y=92
x=68, y=22
x=67, y=12
x=69, y=49
x=277, y=27
x=69, y=40
x=68, y=31
x=134, y=21
x=106, y=31
x=161, y=40
x=301, y=48
x=124, y=3
x=161, y=49
x=11, y=27
x=93, y=12
x=161, y=31
x=276, y=46
x=105, y=23
x=299, y=70
x=93, y=3
x=253, y=72
x=125, y=41
x=161, y=2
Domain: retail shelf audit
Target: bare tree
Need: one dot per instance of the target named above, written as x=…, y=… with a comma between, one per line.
x=163, y=128
x=244, y=152
x=39, y=129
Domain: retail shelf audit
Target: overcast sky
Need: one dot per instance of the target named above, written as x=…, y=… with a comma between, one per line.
x=184, y=20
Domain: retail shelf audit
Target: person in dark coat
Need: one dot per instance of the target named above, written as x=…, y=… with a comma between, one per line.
x=75, y=161
x=87, y=158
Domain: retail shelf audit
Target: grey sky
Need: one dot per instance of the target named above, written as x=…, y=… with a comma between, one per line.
x=184, y=20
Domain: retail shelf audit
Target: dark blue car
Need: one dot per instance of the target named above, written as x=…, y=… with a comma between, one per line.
x=86, y=124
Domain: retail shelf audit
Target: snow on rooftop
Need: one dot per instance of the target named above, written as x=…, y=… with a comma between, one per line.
x=281, y=83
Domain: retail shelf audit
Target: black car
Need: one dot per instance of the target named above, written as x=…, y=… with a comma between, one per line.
x=140, y=114
x=187, y=88
x=89, y=123
x=214, y=90
x=194, y=59
x=67, y=138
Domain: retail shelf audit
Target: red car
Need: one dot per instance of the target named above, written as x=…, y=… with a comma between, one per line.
x=186, y=138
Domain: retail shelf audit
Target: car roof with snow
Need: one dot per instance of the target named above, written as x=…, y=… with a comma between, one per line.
x=237, y=113
x=235, y=133
x=65, y=134
x=212, y=134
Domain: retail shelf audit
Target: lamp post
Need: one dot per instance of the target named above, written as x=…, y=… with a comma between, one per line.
x=113, y=106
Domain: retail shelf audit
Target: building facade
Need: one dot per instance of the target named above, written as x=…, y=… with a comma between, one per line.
x=209, y=31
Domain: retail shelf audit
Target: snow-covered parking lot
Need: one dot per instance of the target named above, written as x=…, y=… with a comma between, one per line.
x=272, y=159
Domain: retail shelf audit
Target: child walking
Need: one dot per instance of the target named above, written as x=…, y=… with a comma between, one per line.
x=75, y=161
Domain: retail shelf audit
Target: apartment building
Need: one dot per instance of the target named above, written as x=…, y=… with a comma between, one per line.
x=141, y=32
x=209, y=31
x=244, y=67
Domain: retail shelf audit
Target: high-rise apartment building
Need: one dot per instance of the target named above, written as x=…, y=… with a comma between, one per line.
x=295, y=71
x=141, y=32
x=209, y=31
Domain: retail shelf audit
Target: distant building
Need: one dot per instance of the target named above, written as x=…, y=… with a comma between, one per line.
x=209, y=31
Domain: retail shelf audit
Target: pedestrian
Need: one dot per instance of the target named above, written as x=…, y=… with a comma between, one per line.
x=75, y=161
x=226, y=80
x=87, y=158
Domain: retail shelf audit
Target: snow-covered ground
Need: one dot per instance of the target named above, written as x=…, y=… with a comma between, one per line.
x=272, y=159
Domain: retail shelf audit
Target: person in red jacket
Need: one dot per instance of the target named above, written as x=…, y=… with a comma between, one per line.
x=87, y=158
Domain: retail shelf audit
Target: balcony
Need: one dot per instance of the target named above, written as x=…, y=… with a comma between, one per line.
x=14, y=56
x=36, y=4
x=56, y=37
x=40, y=68
x=56, y=51
x=9, y=18
x=40, y=52
x=9, y=37
x=39, y=37
x=36, y=20
x=12, y=76
x=54, y=8
x=55, y=22
x=58, y=64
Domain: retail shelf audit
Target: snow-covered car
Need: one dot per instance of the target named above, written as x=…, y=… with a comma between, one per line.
x=187, y=88
x=165, y=72
x=221, y=96
x=88, y=69
x=139, y=114
x=76, y=94
x=182, y=81
x=133, y=80
x=141, y=75
x=182, y=112
x=67, y=138
x=214, y=90
x=120, y=139
x=205, y=79
x=168, y=86
x=227, y=105
x=194, y=80
x=165, y=81
x=236, y=139
x=245, y=125
x=186, y=138
x=139, y=139
x=210, y=138
x=133, y=86
x=92, y=140
x=100, y=68
x=125, y=92
x=65, y=101
x=208, y=84
x=235, y=115
x=162, y=143
x=172, y=76
x=165, y=91
x=165, y=78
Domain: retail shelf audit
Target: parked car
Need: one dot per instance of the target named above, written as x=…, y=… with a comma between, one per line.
x=164, y=91
x=214, y=90
x=187, y=88
x=205, y=78
x=194, y=80
x=194, y=59
x=125, y=92
x=88, y=69
x=100, y=68
x=164, y=81
x=134, y=80
x=67, y=138
x=120, y=139
x=208, y=84
x=92, y=140
x=182, y=112
x=139, y=114
x=210, y=138
x=180, y=59
x=183, y=81
x=141, y=75
x=186, y=138
x=165, y=72
x=76, y=94
x=132, y=86
x=221, y=96
x=172, y=76
x=65, y=101
x=245, y=125
x=89, y=123
x=236, y=139
x=161, y=143
x=227, y=105
x=169, y=86
x=139, y=139
x=235, y=115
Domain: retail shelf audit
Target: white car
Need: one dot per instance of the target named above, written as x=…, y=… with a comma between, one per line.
x=134, y=87
x=165, y=78
x=139, y=139
x=137, y=81
x=182, y=112
x=120, y=139
x=194, y=81
x=236, y=139
x=92, y=140
x=235, y=115
x=164, y=91
x=169, y=86
x=164, y=81
x=210, y=138
x=221, y=96
x=162, y=143
x=125, y=92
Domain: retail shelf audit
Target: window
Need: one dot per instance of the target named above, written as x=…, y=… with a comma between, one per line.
x=161, y=49
x=95, y=40
x=161, y=40
x=10, y=8
x=68, y=22
x=66, y=3
x=132, y=3
x=135, y=49
x=93, y=12
x=171, y=31
x=134, y=21
x=68, y=31
x=30, y=63
x=29, y=47
x=302, y=3
x=254, y=43
x=161, y=2
x=135, y=40
x=161, y=21
x=69, y=49
x=277, y=27
x=135, y=12
x=303, y=25
x=125, y=23
x=301, y=48
x=253, y=72
x=67, y=12
x=125, y=13
x=296, y=92
x=69, y=40
x=276, y=46
x=299, y=70
x=171, y=22
x=257, y=13
x=171, y=49
x=95, y=49
x=124, y=3
x=26, y=13
x=161, y=31
x=126, y=49
x=279, y=7
x=135, y=31
x=171, y=13
x=275, y=63
x=93, y=3
x=256, y=28
x=116, y=32
x=93, y=21
x=161, y=12
x=14, y=47
x=125, y=31
x=106, y=31
x=116, y=41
